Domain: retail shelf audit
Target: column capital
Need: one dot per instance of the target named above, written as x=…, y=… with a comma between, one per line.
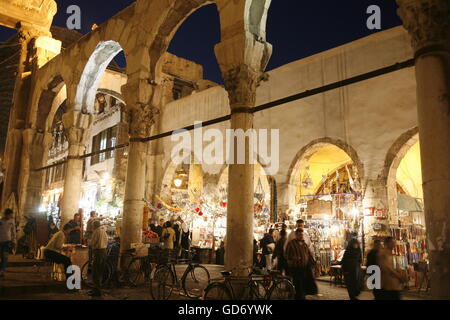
x=141, y=118
x=141, y=115
x=242, y=60
x=27, y=31
x=76, y=128
x=427, y=21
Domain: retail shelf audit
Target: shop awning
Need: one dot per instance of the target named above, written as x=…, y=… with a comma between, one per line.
x=409, y=204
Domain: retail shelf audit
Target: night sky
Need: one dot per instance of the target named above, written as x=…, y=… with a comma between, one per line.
x=295, y=28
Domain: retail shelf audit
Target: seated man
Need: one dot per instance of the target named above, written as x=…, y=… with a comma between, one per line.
x=52, y=251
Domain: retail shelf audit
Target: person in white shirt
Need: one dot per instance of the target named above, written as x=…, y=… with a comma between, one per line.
x=7, y=239
x=90, y=231
x=98, y=243
x=300, y=224
x=52, y=251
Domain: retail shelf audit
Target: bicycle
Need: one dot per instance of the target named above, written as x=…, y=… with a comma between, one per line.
x=165, y=279
x=271, y=286
x=110, y=271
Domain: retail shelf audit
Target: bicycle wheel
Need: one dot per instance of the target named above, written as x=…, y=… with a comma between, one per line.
x=195, y=281
x=162, y=283
x=135, y=272
x=217, y=291
x=282, y=290
x=257, y=290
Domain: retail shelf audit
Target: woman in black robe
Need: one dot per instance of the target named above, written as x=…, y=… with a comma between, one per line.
x=351, y=267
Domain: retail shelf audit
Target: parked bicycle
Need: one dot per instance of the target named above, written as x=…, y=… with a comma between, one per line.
x=256, y=286
x=165, y=279
x=111, y=272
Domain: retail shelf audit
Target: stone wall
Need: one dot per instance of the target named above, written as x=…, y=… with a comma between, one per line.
x=368, y=116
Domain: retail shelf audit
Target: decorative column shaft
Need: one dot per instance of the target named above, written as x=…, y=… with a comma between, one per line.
x=428, y=23
x=30, y=185
x=141, y=119
x=242, y=60
x=76, y=129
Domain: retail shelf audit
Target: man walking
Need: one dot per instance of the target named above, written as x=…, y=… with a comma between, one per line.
x=99, y=243
x=391, y=279
x=300, y=224
x=300, y=261
x=7, y=239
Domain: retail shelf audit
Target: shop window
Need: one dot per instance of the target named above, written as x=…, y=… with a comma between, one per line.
x=104, y=140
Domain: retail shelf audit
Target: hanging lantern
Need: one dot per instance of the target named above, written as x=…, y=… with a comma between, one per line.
x=307, y=181
x=259, y=192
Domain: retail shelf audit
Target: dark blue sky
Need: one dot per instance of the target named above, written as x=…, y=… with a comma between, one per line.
x=295, y=28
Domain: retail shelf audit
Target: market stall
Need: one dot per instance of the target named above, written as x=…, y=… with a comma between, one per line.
x=329, y=200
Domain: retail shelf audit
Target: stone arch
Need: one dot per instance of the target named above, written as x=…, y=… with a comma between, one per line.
x=394, y=156
x=257, y=17
x=96, y=65
x=175, y=16
x=45, y=100
x=311, y=148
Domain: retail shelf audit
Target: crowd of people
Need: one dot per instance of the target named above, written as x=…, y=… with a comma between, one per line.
x=173, y=234
x=291, y=253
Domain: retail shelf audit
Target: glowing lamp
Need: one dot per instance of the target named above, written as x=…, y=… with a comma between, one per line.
x=177, y=182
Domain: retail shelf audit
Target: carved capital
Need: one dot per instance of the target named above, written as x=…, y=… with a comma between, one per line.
x=427, y=21
x=241, y=83
x=77, y=127
x=242, y=60
x=141, y=117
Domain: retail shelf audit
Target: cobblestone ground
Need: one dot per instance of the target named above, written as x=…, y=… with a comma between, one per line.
x=16, y=277
x=327, y=292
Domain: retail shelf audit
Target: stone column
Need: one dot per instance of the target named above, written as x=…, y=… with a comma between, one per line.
x=30, y=181
x=375, y=199
x=30, y=186
x=141, y=119
x=242, y=59
x=18, y=114
x=429, y=26
x=76, y=129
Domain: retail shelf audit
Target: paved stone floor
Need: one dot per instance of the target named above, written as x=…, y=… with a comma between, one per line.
x=27, y=283
x=327, y=292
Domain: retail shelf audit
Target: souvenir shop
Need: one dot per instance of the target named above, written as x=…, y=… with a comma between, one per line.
x=204, y=208
x=333, y=216
x=409, y=233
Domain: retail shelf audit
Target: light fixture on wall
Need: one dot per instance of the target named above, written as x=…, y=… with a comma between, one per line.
x=180, y=178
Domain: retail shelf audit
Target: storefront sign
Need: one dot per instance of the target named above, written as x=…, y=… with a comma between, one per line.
x=320, y=207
